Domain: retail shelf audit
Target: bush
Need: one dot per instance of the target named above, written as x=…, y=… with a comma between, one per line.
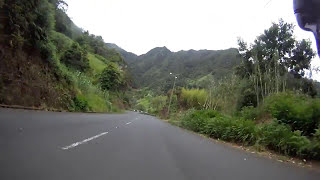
x=280, y=138
x=315, y=154
x=81, y=103
x=196, y=120
x=249, y=113
x=111, y=77
x=61, y=41
x=229, y=129
x=144, y=104
x=29, y=22
x=299, y=111
x=158, y=103
x=274, y=136
x=193, y=98
x=76, y=57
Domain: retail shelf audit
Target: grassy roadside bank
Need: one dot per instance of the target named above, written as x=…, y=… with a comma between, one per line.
x=286, y=127
x=269, y=138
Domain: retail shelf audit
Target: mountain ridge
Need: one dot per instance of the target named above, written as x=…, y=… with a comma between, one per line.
x=153, y=68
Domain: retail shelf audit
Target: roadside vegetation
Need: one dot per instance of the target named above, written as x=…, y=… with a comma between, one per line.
x=267, y=102
x=71, y=68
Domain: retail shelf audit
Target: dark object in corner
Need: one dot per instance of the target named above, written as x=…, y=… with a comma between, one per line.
x=308, y=17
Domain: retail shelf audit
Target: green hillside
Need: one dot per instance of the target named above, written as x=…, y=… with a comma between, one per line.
x=48, y=62
x=153, y=68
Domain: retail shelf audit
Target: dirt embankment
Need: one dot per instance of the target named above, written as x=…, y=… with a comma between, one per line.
x=28, y=80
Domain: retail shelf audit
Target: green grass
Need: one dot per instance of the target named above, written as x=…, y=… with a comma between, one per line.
x=98, y=103
x=98, y=99
x=273, y=136
x=96, y=64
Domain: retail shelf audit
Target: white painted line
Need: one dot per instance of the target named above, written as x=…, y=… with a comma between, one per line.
x=84, y=141
x=128, y=123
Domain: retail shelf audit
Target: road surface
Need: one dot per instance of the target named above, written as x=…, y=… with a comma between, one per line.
x=37, y=145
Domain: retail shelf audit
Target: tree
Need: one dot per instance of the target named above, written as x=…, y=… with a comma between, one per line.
x=59, y=4
x=76, y=57
x=30, y=22
x=111, y=77
x=273, y=54
x=301, y=59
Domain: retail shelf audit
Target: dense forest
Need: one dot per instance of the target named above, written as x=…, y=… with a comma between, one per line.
x=193, y=68
x=256, y=95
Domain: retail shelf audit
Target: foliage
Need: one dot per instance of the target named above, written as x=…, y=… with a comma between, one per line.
x=196, y=120
x=96, y=45
x=30, y=22
x=316, y=144
x=229, y=129
x=247, y=95
x=153, y=68
x=41, y=30
x=202, y=82
x=249, y=113
x=224, y=95
x=96, y=64
x=111, y=77
x=267, y=61
x=61, y=42
x=158, y=103
x=63, y=23
x=144, y=104
x=80, y=103
x=274, y=136
x=98, y=99
x=193, y=98
x=279, y=137
x=298, y=111
x=76, y=57
x=152, y=104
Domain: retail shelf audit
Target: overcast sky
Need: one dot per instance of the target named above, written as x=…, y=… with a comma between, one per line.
x=140, y=25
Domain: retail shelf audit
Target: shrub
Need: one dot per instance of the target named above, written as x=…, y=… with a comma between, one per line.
x=144, y=104
x=193, y=98
x=279, y=137
x=158, y=103
x=76, y=57
x=111, y=77
x=29, y=22
x=247, y=95
x=229, y=129
x=249, y=113
x=315, y=153
x=298, y=111
x=274, y=136
x=61, y=41
x=196, y=120
x=80, y=103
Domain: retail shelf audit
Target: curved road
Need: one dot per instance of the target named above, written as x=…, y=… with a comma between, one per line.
x=37, y=145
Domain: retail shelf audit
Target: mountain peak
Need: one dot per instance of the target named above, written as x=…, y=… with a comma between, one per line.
x=128, y=56
x=160, y=50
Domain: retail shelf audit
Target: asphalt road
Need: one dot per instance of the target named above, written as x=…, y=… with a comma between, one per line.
x=37, y=145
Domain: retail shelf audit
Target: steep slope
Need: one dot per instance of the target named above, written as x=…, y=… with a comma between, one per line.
x=153, y=68
x=27, y=80
x=128, y=56
x=47, y=61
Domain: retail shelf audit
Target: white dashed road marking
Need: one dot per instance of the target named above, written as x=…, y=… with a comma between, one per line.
x=84, y=141
x=89, y=139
